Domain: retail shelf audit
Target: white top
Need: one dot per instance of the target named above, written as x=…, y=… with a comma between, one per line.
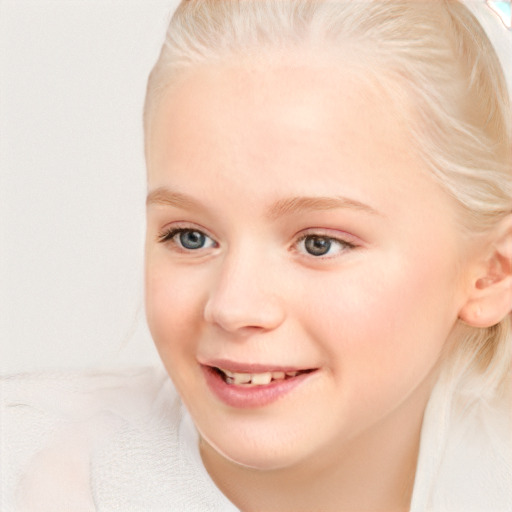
x=124, y=442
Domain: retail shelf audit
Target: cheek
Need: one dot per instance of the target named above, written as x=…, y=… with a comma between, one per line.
x=174, y=317
x=173, y=307
x=383, y=327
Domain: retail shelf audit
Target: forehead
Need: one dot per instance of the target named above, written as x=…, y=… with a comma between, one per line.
x=298, y=125
x=302, y=94
x=218, y=91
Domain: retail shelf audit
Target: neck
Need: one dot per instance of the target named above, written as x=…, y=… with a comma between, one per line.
x=371, y=472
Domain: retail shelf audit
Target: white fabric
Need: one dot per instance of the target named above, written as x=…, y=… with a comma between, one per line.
x=465, y=461
x=101, y=442
x=124, y=442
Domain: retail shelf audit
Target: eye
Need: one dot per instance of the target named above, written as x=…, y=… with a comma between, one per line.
x=321, y=245
x=187, y=239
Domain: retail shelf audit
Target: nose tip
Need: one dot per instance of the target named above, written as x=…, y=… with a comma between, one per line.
x=244, y=310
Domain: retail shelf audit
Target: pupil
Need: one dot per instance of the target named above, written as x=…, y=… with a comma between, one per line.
x=317, y=245
x=192, y=239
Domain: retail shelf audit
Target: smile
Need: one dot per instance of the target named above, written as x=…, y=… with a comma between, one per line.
x=256, y=379
x=253, y=387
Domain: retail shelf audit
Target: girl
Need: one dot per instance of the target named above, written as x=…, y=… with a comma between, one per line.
x=328, y=273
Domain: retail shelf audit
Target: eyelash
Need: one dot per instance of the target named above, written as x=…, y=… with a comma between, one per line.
x=343, y=245
x=169, y=236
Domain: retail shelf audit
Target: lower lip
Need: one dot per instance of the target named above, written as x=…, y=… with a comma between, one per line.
x=245, y=397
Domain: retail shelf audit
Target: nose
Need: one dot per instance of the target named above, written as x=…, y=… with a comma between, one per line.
x=245, y=297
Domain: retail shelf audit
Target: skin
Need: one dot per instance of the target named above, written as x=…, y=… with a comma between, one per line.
x=373, y=317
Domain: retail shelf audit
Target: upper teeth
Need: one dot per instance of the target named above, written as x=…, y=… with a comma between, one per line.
x=258, y=379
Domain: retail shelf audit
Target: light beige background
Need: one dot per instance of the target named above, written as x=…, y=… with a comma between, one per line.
x=72, y=183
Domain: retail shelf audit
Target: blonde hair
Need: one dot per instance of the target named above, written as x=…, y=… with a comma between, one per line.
x=434, y=52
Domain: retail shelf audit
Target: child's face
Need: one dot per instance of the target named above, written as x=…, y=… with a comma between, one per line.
x=311, y=240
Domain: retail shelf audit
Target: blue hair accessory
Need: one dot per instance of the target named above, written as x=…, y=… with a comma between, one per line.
x=495, y=19
x=503, y=10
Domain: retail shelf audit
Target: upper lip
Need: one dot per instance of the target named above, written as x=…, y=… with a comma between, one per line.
x=239, y=367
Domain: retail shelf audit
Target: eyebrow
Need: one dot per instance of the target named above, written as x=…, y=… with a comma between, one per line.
x=166, y=197
x=300, y=204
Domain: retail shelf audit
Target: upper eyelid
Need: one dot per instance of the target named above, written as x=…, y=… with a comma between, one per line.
x=184, y=226
x=339, y=240
x=334, y=234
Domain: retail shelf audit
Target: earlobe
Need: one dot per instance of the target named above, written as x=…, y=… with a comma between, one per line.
x=490, y=294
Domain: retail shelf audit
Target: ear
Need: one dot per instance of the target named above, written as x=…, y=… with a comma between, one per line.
x=490, y=292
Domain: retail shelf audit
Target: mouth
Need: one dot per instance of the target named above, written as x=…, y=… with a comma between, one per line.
x=247, y=385
x=257, y=379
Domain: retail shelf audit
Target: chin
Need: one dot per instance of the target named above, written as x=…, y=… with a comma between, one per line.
x=259, y=461
x=257, y=454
